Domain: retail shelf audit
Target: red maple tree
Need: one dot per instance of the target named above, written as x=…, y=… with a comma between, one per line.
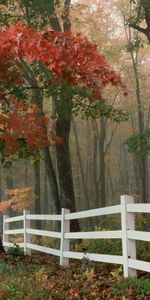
x=70, y=59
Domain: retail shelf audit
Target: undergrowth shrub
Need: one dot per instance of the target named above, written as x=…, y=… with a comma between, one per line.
x=128, y=286
x=114, y=246
x=3, y=267
x=15, y=250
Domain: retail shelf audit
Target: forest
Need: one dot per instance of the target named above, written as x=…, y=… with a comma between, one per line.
x=74, y=107
x=98, y=149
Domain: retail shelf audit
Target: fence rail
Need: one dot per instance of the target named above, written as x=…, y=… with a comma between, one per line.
x=127, y=208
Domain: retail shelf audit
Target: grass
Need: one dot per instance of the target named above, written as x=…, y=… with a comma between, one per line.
x=40, y=277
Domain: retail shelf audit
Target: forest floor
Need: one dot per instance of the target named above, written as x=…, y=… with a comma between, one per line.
x=39, y=277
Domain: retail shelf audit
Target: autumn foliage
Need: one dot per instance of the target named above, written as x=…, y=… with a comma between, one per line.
x=22, y=124
x=18, y=199
x=70, y=59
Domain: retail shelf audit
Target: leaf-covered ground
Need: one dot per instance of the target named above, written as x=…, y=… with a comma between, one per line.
x=40, y=277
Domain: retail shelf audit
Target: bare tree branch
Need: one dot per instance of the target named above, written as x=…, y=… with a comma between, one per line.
x=141, y=29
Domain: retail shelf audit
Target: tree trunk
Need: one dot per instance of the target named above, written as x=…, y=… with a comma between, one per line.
x=95, y=171
x=37, y=191
x=26, y=173
x=142, y=162
x=135, y=167
x=1, y=246
x=95, y=164
x=54, y=195
x=112, y=192
x=10, y=186
x=143, y=171
x=85, y=190
x=125, y=185
x=67, y=198
x=102, y=163
x=46, y=201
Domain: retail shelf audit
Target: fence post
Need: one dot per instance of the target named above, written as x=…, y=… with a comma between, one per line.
x=26, y=225
x=65, y=227
x=5, y=227
x=128, y=246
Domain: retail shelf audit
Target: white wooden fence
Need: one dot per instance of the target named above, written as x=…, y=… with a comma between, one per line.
x=127, y=234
